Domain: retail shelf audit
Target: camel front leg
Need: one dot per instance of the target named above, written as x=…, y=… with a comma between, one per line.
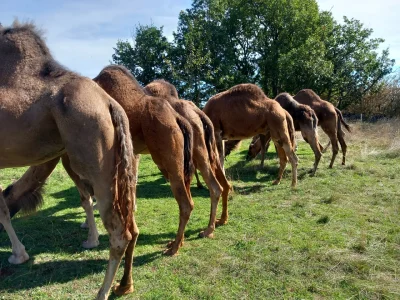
x=282, y=163
x=221, y=150
x=19, y=254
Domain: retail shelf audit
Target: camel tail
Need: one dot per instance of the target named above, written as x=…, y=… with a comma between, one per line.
x=124, y=179
x=187, y=150
x=339, y=113
x=30, y=201
x=209, y=137
x=291, y=130
x=231, y=146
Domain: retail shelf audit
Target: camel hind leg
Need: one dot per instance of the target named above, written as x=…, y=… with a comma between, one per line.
x=311, y=138
x=87, y=204
x=289, y=151
x=198, y=183
x=226, y=188
x=263, y=141
x=343, y=145
x=19, y=254
x=215, y=192
x=185, y=204
x=121, y=242
x=332, y=134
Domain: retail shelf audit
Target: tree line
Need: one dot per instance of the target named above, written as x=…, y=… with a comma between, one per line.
x=280, y=45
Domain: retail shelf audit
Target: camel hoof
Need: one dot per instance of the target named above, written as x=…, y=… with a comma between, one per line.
x=276, y=182
x=170, y=252
x=90, y=245
x=84, y=225
x=208, y=233
x=16, y=260
x=120, y=290
x=220, y=222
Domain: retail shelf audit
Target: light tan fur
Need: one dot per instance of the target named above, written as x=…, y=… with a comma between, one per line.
x=49, y=112
x=157, y=129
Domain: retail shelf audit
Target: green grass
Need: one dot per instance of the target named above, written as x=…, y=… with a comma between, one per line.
x=335, y=236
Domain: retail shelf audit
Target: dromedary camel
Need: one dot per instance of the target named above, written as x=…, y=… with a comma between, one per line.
x=205, y=156
x=47, y=111
x=156, y=129
x=305, y=121
x=329, y=118
x=244, y=111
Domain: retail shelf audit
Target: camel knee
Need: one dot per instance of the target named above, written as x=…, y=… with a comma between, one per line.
x=186, y=209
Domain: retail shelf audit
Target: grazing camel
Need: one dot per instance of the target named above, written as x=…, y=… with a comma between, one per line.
x=205, y=156
x=156, y=129
x=329, y=118
x=305, y=121
x=47, y=111
x=244, y=111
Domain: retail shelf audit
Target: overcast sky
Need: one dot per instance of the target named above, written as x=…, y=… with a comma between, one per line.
x=82, y=33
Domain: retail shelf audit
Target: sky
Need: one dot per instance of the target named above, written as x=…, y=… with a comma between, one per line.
x=81, y=34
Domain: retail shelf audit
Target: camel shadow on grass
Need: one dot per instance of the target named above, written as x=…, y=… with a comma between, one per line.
x=55, y=232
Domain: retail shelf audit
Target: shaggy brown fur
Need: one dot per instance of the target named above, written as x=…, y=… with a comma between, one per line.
x=304, y=119
x=329, y=118
x=205, y=156
x=49, y=112
x=244, y=111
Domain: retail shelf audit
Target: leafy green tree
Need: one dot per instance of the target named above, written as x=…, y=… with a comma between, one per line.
x=148, y=58
x=281, y=45
x=357, y=67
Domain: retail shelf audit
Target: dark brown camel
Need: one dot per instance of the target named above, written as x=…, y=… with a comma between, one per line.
x=47, y=111
x=205, y=156
x=244, y=111
x=156, y=129
x=329, y=118
x=305, y=121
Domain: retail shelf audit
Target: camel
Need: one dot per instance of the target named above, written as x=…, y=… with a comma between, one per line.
x=205, y=156
x=156, y=129
x=329, y=118
x=244, y=111
x=46, y=112
x=305, y=121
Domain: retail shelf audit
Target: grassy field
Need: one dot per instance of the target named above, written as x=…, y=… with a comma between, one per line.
x=336, y=236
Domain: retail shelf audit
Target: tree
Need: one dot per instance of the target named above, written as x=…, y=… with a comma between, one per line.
x=357, y=67
x=281, y=45
x=149, y=56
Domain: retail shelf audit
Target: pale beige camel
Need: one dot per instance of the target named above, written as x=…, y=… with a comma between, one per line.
x=244, y=111
x=47, y=111
x=156, y=129
x=205, y=156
